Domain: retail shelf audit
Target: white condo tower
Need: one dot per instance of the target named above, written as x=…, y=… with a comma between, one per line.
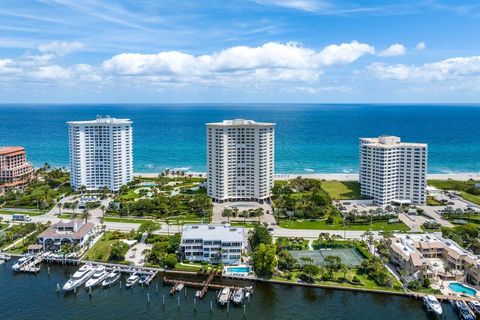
x=240, y=160
x=100, y=153
x=392, y=171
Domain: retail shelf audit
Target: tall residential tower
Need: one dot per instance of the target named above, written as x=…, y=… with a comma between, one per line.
x=100, y=153
x=240, y=160
x=392, y=171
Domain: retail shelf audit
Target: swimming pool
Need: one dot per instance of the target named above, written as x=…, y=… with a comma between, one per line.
x=238, y=270
x=460, y=288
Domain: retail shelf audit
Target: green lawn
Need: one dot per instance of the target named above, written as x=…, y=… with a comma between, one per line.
x=342, y=190
x=321, y=225
x=451, y=184
x=101, y=249
x=470, y=197
x=125, y=220
x=242, y=224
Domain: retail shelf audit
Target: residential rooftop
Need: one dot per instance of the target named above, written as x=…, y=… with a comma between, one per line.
x=100, y=121
x=240, y=122
x=11, y=150
x=390, y=141
x=214, y=232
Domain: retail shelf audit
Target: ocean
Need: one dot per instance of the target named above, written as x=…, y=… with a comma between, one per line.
x=310, y=138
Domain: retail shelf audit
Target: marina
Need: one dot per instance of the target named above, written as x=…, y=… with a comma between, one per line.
x=268, y=301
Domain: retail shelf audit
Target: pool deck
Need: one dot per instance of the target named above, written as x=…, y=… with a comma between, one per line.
x=446, y=291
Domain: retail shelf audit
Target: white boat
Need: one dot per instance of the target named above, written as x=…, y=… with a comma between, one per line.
x=143, y=280
x=4, y=257
x=198, y=294
x=432, y=305
x=238, y=296
x=132, y=280
x=111, y=278
x=21, y=262
x=98, y=276
x=79, y=277
x=180, y=287
x=223, y=296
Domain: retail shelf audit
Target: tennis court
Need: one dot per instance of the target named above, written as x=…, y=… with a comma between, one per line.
x=350, y=256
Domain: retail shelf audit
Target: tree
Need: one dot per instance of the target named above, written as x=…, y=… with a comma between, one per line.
x=118, y=251
x=86, y=215
x=148, y=227
x=426, y=282
x=264, y=260
x=170, y=261
x=286, y=262
x=259, y=235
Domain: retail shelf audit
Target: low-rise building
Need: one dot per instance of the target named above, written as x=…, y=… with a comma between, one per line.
x=75, y=233
x=432, y=256
x=15, y=170
x=213, y=243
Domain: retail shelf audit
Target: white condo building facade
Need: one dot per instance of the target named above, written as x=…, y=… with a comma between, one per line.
x=100, y=153
x=240, y=160
x=392, y=171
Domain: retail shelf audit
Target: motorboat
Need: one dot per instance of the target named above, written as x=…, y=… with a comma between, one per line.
x=111, y=278
x=198, y=294
x=223, y=296
x=238, y=296
x=475, y=307
x=179, y=287
x=98, y=276
x=432, y=305
x=463, y=311
x=4, y=257
x=143, y=280
x=21, y=262
x=132, y=280
x=79, y=277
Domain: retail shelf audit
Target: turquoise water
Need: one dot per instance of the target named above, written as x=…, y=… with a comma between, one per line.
x=309, y=138
x=460, y=288
x=238, y=269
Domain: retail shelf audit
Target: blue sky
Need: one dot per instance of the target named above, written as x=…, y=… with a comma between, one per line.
x=239, y=51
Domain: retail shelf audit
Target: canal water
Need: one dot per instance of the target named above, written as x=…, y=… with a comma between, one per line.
x=26, y=296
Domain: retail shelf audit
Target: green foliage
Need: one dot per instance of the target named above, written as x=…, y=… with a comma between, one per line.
x=148, y=227
x=118, y=251
x=413, y=285
x=426, y=282
x=264, y=260
x=163, y=246
x=291, y=243
x=170, y=261
x=304, y=197
x=465, y=235
x=259, y=235
x=375, y=270
x=285, y=261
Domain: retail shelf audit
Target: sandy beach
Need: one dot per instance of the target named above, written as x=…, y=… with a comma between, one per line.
x=463, y=176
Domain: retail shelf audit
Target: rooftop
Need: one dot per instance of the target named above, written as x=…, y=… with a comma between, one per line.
x=10, y=150
x=390, y=141
x=101, y=120
x=211, y=232
x=79, y=226
x=241, y=122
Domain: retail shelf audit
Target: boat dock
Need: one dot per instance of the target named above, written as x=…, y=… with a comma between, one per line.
x=204, y=285
x=31, y=266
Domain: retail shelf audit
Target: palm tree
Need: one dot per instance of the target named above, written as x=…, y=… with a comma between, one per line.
x=86, y=214
x=60, y=206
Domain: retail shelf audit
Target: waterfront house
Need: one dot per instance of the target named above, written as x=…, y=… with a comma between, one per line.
x=213, y=243
x=75, y=233
x=429, y=255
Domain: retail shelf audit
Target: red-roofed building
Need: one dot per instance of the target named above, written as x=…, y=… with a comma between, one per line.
x=15, y=170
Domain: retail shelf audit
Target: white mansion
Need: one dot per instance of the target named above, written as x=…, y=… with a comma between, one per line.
x=100, y=153
x=240, y=160
x=213, y=243
x=392, y=171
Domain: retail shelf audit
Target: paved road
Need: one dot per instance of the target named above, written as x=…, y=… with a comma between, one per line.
x=281, y=232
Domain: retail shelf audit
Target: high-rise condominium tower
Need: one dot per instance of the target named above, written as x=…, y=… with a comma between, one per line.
x=392, y=171
x=240, y=160
x=100, y=153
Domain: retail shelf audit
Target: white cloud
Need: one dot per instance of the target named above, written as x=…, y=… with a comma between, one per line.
x=420, y=46
x=394, y=50
x=303, y=5
x=281, y=62
x=452, y=68
x=60, y=48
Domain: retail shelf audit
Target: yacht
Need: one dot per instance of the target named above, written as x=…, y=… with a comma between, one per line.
x=79, y=277
x=223, y=296
x=111, y=278
x=238, y=296
x=21, y=262
x=432, y=305
x=463, y=311
x=475, y=307
x=179, y=287
x=132, y=280
x=143, y=280
x=98, y=276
